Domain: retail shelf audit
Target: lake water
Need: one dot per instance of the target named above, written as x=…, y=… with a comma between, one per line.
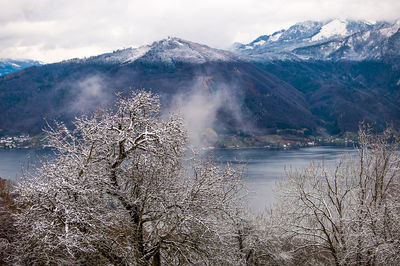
x=264, y=167
x=13, y=161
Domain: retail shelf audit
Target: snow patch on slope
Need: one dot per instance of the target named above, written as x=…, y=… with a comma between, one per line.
x=275, y=37
x=15, y=65
x=261, y=42
x=137, y=53
x=334, y=28
x=169, y=51
x=389, y=31
x=178, y=50
x=366, y=35
x=121, y=56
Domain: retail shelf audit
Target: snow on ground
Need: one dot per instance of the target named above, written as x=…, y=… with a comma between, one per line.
x=137, y=53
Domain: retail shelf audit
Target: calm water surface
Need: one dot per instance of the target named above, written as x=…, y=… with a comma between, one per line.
x=13, y=161
x=264, y=167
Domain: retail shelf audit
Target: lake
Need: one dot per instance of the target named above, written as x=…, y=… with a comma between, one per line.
x=13, y=161
x=264, y=167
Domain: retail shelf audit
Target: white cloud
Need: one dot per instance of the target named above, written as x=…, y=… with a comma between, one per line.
x=52, y=30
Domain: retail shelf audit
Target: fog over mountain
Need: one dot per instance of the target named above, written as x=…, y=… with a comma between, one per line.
x=324, y=77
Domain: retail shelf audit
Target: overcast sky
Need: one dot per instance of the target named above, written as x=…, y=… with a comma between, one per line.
x=54, y=30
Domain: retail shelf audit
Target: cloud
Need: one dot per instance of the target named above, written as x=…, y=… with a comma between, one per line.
x=50, y=30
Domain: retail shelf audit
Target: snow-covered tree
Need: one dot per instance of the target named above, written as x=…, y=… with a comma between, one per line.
x=7, y=230
x=349, y=214
x=123, y=189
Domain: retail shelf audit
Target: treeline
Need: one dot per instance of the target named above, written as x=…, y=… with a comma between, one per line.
x=124, y=189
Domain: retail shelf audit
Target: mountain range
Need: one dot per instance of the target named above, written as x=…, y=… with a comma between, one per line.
x=322, y=77
x=331, y=40
x=8, y=66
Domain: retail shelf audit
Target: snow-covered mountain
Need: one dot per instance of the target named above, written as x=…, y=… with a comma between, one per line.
x=328, y=95
x=8, y=66
x=231, y=93
x=168, y=51
x=329, y=40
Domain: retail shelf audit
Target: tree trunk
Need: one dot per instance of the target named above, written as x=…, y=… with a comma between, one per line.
x=157, y=259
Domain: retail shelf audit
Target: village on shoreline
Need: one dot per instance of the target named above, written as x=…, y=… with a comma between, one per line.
x=25, y=141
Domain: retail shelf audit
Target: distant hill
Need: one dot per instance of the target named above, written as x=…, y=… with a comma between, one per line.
x=341, y=94
x=257, y=90
x=237, y=95
x=8, y=66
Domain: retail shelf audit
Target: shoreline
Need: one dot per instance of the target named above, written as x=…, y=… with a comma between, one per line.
x=291, y=147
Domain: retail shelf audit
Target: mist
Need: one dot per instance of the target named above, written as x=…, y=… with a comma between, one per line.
x=199, y=107
x=90, y=93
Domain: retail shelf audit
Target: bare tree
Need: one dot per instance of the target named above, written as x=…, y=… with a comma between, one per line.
x=349, y=214
x=122, y=190
x=256, y=241
x=376, y=208
x=7, y=229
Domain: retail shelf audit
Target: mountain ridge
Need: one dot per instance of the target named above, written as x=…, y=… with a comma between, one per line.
x=169, y=50
x=8, y=66
x=63, y=90
x=238, y=92
x=330, y=40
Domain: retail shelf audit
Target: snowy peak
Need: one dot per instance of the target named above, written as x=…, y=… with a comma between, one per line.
x=170, y=50
x=303, y=30
x=177, y=50
x=334, y=28
x=339, y=28
x=8, y=66
x=334, y=39
x=314, y=31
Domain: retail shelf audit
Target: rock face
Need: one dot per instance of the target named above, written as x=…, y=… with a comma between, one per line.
x=322, y=76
